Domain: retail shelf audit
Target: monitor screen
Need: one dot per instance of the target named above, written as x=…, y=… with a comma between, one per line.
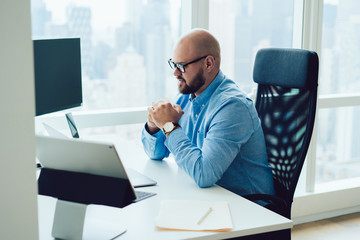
x=57, y=64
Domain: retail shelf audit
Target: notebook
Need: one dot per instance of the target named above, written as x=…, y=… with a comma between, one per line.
x=190, y=215
x=83, y=156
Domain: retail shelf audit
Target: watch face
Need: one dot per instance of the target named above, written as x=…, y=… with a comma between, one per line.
x=168, y=126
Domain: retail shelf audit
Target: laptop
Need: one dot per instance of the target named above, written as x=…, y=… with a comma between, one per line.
x=137, y=179
x=84, y=156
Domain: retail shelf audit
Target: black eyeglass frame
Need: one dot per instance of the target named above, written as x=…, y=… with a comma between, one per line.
x=181, y=66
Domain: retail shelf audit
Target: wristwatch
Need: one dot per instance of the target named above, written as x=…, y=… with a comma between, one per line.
x=169, y=127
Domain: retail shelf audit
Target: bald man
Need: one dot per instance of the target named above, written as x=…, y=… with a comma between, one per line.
x=211, y=128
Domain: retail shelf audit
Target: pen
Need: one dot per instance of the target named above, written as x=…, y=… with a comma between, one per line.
x=205, y=216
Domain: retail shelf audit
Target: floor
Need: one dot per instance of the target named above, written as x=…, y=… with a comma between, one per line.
x=343, y=227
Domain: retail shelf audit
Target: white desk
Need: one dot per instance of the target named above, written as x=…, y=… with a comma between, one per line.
x=138, y=218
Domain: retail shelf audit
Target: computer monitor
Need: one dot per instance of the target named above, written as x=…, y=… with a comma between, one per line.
x=57, y=64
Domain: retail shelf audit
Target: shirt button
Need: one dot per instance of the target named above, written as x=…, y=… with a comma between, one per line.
x=203, y=105
x=196, y=115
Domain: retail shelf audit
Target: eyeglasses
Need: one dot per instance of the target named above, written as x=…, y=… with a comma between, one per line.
x=182, y=66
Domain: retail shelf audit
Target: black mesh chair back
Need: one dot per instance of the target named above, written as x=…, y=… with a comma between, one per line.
x=286, y=102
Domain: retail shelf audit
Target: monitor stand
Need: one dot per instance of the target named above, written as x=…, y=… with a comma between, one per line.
x=69, y=222
x=72, y=125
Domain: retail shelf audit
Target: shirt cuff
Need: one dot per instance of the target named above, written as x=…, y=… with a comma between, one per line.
x=155, y=135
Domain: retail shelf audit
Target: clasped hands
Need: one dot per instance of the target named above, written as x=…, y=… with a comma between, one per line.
x=161, y=112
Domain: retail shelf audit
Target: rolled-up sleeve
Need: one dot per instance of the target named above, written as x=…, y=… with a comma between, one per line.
x=154, y=145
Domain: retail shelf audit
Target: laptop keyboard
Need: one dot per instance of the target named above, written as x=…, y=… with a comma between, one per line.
x=143, y=195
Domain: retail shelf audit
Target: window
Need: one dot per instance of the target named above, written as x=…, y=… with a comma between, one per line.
x=338, y=152
x=338, y=142
x=243, y=27
x=125, y=45
x=340, y=65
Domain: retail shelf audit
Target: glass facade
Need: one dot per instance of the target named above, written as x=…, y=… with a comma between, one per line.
x=125, y=45
x=338, y=152
x=338, y=141
x=245, y=26
x=340, y=62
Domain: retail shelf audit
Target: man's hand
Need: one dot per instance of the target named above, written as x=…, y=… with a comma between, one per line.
x=161, y=112
x=151, y=126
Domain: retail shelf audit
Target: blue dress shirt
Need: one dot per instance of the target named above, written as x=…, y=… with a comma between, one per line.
x=220, y=140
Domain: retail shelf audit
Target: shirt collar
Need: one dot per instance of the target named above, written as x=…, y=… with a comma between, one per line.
x=206, y=94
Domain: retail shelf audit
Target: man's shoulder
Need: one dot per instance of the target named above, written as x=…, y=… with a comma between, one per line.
x=227, y=92
x=228, y=97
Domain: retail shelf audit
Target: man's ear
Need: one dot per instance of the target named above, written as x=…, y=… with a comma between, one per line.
x=210, y=63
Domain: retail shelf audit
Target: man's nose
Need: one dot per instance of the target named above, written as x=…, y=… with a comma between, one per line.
x=177, y=72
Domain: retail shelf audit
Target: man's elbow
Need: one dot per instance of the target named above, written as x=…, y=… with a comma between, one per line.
x=205, y=177
x=156, y=155
x=205, y=183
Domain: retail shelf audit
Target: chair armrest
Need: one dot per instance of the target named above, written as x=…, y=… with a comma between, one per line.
x=256, y=197
x=276, y=204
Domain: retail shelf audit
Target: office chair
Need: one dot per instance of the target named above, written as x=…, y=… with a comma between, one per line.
x=286, y=103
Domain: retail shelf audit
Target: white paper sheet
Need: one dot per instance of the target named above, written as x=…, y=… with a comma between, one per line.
x=185, y=215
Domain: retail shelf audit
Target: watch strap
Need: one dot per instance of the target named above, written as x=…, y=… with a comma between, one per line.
x=168, y=132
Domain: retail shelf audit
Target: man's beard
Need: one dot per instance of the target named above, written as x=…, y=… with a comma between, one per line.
x=197, y=82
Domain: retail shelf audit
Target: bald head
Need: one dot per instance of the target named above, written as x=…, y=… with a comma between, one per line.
x=198, y=43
